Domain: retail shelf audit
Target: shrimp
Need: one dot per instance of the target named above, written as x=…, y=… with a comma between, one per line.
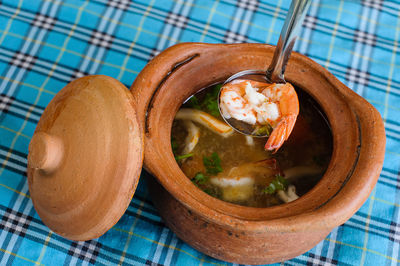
x=258, y=103
x=234, y=104
x=286, y=97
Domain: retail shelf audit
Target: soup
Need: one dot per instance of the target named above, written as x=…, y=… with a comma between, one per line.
x=236, y=168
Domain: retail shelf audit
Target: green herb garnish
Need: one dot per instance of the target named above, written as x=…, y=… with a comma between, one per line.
x=264, y=130
x=279, y=183
x=209, y=103
x=200, y=178
x=213, y=167
x=184, y=156
x=212, y=164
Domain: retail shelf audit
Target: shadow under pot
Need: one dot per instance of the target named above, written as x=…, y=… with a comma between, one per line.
x=86, y=155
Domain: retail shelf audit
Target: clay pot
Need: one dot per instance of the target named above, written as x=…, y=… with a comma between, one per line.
x=243, y=234
x=85, y=157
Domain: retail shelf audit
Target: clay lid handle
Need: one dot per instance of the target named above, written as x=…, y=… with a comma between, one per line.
x=45, y=152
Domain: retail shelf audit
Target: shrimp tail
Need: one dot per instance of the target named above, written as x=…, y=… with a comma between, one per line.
x=280, y=133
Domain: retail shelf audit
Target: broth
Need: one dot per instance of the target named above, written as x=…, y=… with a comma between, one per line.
x=237, y=169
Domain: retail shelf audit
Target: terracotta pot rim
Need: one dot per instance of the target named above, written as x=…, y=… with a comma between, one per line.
x=331, y=213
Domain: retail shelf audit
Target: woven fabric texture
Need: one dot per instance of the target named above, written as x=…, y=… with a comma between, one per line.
x=44, y=44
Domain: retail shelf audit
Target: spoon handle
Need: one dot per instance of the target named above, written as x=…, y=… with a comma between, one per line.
x=289, y=33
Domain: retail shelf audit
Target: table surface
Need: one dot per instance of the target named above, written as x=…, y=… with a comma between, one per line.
x=46, y=44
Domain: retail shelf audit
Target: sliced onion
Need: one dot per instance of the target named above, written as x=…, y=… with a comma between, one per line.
x=192, y=138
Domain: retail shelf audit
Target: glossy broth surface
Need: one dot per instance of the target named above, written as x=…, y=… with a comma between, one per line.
x=300, y=162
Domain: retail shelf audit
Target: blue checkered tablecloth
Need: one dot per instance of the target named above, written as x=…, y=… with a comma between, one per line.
x=45, y=44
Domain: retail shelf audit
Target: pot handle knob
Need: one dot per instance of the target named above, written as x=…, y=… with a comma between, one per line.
x=45, y=152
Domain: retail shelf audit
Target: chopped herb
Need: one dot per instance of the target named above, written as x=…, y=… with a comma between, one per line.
x=216, y=89
x=264, y=130
x=200, y=178
x=209, y=103
x=279, y=183
x=212, y=164
x=270, y=189
x=184, y=156
x=200, y=181
x=174, y=145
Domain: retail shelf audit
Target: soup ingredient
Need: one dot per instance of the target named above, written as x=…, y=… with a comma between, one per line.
x=209, y=102
x=238, y=185
x=288, y=195
x=200, y=178
x=279, y=183
x=264, y=130
x=212, y=164
x=192, y=137
x=206, y=120
x=190, y=142
x=184, y=156
x=235, y=189
x=249, y=140
x=263, y=168
x=262, y=104
x=240, y=100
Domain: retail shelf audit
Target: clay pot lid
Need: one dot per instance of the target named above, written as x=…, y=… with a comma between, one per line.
x=85, y=158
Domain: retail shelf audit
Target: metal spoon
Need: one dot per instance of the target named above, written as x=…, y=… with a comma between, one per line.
x=275, y=72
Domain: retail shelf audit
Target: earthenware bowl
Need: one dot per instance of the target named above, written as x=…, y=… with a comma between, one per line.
x=243, y=234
